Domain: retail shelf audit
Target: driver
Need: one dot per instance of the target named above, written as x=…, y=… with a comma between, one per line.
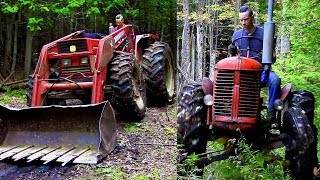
x=271, y=79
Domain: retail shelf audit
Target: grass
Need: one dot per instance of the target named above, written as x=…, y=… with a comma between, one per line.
x=170, y=131
x=132, y=127
x=112, y=173
x=6, y=98
x=118, y=174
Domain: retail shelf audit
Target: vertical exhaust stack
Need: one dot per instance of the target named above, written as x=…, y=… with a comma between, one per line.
x=269, y=31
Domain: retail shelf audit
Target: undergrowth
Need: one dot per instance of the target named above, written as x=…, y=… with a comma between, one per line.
x=9, y=93
x=248, y=164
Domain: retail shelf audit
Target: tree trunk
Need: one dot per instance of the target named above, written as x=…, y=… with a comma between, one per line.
x=212, y=48
x=7, y=56
x=200, y=36
x=185, y=49
x=193, y=57
x=28, y=53
x=284, y=40
x=236, y=16
x=15, y=45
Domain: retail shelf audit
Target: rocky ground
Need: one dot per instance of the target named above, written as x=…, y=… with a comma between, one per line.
x=145, y=150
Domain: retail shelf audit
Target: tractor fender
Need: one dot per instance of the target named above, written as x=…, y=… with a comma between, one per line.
x=285, y=91
x=207, y=86
x=142, y=42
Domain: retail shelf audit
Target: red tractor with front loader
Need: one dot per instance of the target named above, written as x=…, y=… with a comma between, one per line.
x=229, y=107
x=79, y=86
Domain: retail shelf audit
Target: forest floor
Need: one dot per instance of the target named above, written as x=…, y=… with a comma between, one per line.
x=145, y=150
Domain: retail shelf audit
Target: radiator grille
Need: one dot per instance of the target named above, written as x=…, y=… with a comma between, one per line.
x=81, y=45
x=75, y=69
x=223, y=93
x=249, y=93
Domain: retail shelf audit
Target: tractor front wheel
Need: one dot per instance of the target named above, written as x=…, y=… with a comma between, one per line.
x=128, y=91
x=298, y=124
x=192, y=132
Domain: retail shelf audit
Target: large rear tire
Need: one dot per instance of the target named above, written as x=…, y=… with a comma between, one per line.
x=158, y=68
x=128, y=91
x=303, y=160
x=192, y=132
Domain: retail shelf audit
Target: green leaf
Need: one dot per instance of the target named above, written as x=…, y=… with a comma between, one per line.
x=7, y=8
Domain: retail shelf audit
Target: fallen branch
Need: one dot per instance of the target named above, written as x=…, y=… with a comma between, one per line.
x=7, y=78
x=16, y=82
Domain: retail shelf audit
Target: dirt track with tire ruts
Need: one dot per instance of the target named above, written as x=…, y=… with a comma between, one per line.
x=147, y=151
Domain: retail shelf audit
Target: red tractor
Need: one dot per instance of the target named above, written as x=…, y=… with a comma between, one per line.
x=229, y=106
x=100, y=74
x=94, y=70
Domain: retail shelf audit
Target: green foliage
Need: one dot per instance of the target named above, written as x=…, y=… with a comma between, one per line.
x=34, y=24
x=93, y=10
x=248, y=165
x=7, y=8
x=114, y=4
x=132, y=127
x=154, y=175
x=6, y=98
x=188, y=168
x=301, y=21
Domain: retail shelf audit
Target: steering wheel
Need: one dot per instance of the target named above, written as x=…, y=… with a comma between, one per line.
x=248, y=49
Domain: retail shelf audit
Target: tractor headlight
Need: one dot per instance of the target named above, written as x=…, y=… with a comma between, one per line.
x=84, y=60
x=208, y=100
x=278, y=104
x=66, y=62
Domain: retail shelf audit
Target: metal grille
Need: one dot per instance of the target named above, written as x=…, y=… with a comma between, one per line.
x=223, y=93
x=249, y=93
x=75, y=69
x=81, y=45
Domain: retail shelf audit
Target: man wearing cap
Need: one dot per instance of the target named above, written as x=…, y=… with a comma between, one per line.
x=119, y=22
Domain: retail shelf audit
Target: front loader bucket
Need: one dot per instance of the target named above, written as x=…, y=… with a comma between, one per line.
x=67, y=134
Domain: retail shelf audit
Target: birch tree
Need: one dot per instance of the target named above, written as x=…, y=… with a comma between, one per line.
x=185, y=50
x=200, y=42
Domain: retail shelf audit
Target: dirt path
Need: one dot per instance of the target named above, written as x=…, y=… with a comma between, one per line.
x=145, y=150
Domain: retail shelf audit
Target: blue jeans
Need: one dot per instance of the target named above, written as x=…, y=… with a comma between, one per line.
x=273, y=83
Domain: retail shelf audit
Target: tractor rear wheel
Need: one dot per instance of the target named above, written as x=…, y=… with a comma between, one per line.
x=158, y=68
x=128, y=91
x=303, y=160
x=192, y=132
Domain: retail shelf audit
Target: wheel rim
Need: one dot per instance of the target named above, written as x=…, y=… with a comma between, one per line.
x=169, y=77
x=137, y=93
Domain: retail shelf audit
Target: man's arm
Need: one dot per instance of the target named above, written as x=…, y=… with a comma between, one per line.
x=232, y=48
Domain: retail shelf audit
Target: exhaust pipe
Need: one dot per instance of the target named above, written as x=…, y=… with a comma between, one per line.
x=268, y=35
